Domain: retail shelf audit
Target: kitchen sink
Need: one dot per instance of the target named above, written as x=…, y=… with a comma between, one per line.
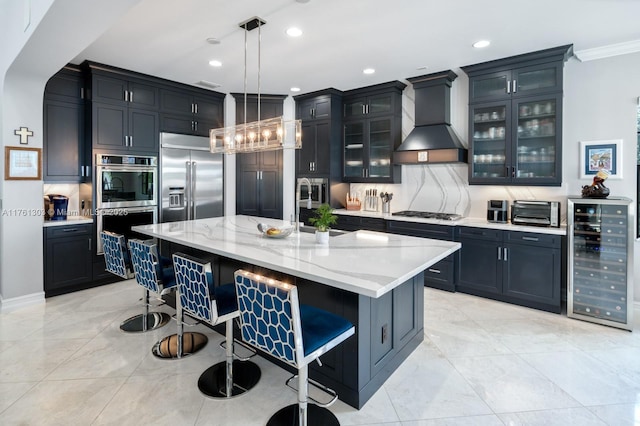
x=311, y=230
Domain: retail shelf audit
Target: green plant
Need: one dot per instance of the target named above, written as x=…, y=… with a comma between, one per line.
x=323, y=218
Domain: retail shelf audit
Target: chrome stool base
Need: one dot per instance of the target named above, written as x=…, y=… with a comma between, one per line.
x=154, y=320
x=212, y=382
x=288, y=416
x=167, y=348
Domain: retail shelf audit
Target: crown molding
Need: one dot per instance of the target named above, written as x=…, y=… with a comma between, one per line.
x=608, y=51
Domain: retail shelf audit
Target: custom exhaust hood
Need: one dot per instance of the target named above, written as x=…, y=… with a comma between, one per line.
x=432, y=140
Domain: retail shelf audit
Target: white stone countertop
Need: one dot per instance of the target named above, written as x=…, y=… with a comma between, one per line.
x=363, y=262
x=71, y=220
x=467, y=221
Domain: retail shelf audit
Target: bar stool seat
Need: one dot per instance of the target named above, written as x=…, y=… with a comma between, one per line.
x=118, y=261
x=272, y=320
x=201, y=299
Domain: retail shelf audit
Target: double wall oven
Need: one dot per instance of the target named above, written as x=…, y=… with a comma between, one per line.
x=126, y=193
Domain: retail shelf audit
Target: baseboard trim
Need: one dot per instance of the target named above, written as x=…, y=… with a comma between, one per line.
x=7, y=305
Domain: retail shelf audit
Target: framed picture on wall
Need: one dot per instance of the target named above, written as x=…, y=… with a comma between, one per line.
x=22, y=163
x=598, y=155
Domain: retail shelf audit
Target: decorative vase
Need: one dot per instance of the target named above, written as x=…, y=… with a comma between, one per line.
x=322, y=237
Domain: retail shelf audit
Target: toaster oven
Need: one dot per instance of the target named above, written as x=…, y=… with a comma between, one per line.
x=537, y=213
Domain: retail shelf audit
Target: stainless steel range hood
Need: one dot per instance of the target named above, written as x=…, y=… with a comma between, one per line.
x=432, y=140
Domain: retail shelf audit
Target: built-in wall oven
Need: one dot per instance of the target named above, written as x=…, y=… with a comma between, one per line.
x=126, y=194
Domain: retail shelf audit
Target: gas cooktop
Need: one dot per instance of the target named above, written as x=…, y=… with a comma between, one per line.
x=428, y=215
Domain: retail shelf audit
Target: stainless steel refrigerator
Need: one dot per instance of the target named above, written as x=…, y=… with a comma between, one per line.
x=191, y=178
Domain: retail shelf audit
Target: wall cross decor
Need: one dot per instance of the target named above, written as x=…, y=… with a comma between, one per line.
x=24, y=134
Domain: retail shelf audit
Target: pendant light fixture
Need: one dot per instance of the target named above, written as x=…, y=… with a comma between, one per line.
x=262, y=135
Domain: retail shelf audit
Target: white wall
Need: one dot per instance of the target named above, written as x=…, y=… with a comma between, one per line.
x=58, y=31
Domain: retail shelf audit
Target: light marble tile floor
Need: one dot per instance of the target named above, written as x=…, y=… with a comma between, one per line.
x=65, y=362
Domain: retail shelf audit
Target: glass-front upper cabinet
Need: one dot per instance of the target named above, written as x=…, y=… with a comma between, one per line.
x=516, y=142
x=380, y=148
x=354, y=149
x=491, y=153
x=537, y=130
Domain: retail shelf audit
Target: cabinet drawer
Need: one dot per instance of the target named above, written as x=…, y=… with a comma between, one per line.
x=438, y=232
x=532, y=238
x=441, y=271
x=373, y=224
x=68, y=231
x=483, y=233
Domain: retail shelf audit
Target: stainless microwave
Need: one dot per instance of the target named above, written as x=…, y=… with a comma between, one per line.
x=319, y=191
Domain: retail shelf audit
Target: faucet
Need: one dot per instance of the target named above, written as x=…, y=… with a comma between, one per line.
x=308, y=184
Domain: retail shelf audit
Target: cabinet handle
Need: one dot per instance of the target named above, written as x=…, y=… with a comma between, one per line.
x=312, y=112
x=82, y=93
x=193, y=127
x=513, y=172
x=506, y=252
x=89, y=244
x=530, y=238
x=508, y=86
x=499, y=253
x=364, y=111
x=196, y=105
x=515, y=86
x=196, y=123
x=435, y=271
x=192, y=109
x=70, y=230
x=130, y=140
x=126, y=141
x=126, y=96
x=130, y=96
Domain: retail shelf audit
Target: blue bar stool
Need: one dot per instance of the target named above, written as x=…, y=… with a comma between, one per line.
x=160, y=280
x=118, y=262
x=272, y=320
x=202, y=300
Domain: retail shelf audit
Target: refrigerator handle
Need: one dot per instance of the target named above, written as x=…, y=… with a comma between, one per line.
x=193, y=187
x=188, y=203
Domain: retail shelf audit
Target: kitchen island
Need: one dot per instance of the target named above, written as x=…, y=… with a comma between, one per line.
x=373, y=279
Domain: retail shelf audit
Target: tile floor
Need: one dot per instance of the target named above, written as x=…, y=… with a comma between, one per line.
x=65, y=362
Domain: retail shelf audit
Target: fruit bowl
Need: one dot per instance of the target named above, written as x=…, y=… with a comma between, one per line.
x=273, y=232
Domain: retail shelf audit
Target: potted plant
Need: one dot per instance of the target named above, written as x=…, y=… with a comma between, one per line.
x=322, y=219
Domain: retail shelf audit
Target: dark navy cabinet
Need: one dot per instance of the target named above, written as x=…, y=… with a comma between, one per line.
x=68, y=258
x=259, y=174
x=320, y=154
x=517, y=267
x=441, y=275
x=515, y=119
x=371, y=132
x=121, y=128
x=65, y=158
x=191, y=112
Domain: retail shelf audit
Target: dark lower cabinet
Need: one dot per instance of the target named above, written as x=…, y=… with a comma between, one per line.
x=440, y=275
x=69, y=263
x=68, y=258
x=356, y=223
x=517, y=267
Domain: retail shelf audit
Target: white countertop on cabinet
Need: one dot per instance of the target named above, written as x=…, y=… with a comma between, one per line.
x=71, y=220
x=468, y=221
x=363, y=262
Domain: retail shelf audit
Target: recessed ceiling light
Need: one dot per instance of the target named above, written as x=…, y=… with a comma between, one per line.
x=294, y=32
x=213, y=40
x=481, y=43
x=295, y=89
x=215, y=63
x=368, y=71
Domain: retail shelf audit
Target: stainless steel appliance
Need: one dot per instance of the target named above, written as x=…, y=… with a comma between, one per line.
x=126, y=194
x=120, y=220
x=319, y=191
x=600, y=240
x=428, y=215
x=537, y=213
x=191, y=178
x=126, y=181
x=498, y=211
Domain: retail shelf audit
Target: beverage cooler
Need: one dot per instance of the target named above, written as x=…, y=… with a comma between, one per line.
x=600, y=262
